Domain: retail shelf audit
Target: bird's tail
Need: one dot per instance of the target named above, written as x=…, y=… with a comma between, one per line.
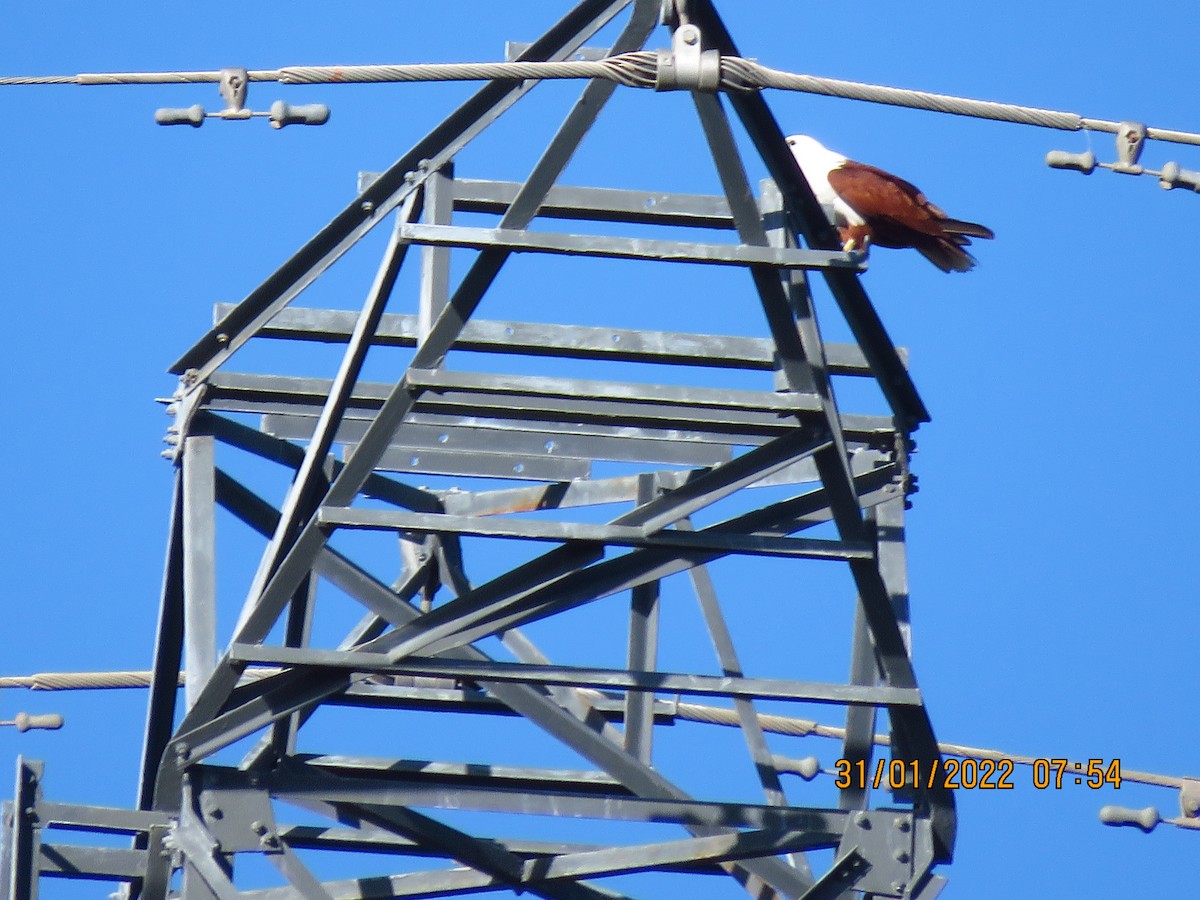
x=947, y=254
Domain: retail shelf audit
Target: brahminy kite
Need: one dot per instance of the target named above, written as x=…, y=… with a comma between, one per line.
x=872, y=206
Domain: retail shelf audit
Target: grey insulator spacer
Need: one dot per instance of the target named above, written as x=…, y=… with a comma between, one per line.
x=193, y=115
x=1080, y=162
x=807, y=768
x=46, y=721
x=1173, y=176
x=1144, y=819
x=283, y=113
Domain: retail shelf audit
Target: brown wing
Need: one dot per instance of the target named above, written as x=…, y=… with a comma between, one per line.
x=959, y=227
x=891, y=206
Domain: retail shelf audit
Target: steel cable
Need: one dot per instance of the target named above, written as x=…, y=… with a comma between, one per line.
x=638, y=69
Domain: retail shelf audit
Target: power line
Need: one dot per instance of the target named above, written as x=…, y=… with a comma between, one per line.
x=642, y=69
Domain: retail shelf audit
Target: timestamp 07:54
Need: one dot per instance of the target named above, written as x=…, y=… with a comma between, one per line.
x=974, y=774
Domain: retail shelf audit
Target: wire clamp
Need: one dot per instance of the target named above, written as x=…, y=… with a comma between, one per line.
x=1131, y=137
x=233, y=84
x=687, y=66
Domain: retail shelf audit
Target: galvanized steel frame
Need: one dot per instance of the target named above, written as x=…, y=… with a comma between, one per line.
x=415, y=647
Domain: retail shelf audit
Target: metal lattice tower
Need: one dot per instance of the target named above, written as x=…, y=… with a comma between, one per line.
x=241, y=768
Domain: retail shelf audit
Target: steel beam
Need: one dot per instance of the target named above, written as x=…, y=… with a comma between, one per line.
x=516, y=241
x=620, y=679
x=600, y=204
x=494, y=864
x=478, y=465
x=750, y=425
x=92, y=863
x=565, y=341
x=842, y=876
x=204, y=876
x=470, y=774
x=714, y=849
x=825, y=827
x=435, y=261
x=297, y=632
x=104, y=819
x=642, y=655
x=528, y=411
x=858, y=744
x=616, y=535
x=199, y=564
x=620, y=489
x=168, y=656
x=23, y=833
x=593, y=204
x=731, y=667
x=565, y=443
x=444, y=381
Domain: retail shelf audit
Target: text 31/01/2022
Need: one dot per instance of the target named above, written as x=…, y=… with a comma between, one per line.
x=974, y=774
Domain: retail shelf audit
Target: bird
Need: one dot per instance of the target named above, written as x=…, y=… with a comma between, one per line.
x=874, y=207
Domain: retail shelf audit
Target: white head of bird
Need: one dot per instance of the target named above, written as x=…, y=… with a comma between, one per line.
x=816, y=162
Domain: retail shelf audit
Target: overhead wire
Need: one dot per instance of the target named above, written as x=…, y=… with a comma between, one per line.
x=637, y=69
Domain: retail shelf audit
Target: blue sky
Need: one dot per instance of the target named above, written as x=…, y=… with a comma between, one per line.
x=1051, y=563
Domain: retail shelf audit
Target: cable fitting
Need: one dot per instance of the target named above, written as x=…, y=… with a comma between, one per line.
x=233, y=84
x=1149, y=818
x=687, y=66
x=1174, y=176
x=1131, y=138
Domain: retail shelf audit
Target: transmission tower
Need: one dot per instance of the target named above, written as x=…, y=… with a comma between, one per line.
x=598, y=493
